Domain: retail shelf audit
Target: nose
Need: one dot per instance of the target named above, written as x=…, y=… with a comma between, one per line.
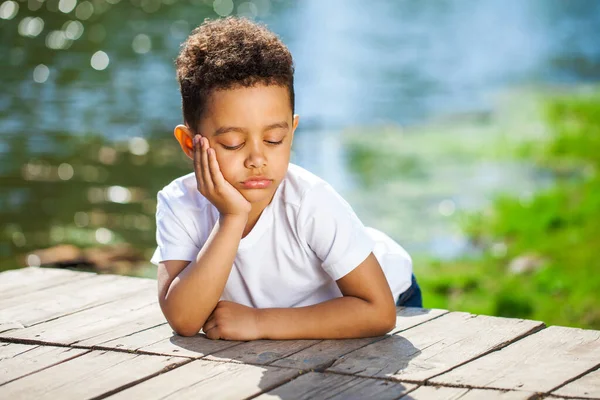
x=256, y=157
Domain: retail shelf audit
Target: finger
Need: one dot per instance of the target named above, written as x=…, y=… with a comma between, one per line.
x=212, y=333
x=209, y=325
x=205, y=170
x=215, y=170
x=197, y=161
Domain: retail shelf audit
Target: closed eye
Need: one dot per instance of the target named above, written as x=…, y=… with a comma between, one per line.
x=232, y=147
x=274, y=143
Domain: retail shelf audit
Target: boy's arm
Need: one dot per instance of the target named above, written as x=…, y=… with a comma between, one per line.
x=189, y=291
x=367, y=309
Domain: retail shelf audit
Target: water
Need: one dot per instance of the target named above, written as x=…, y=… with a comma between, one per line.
x=65, y=126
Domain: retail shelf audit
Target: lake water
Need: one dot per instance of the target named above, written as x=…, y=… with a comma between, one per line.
x=89, y=100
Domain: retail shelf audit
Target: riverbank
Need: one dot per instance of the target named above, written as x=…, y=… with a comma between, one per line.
x=530, y=251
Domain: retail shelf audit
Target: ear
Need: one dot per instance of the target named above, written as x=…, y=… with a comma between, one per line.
x=295, y=121
x=184, y=136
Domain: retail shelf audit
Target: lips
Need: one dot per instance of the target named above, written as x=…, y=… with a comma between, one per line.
x=257, y=182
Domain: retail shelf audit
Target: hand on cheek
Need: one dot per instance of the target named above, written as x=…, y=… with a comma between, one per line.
x=211, y=183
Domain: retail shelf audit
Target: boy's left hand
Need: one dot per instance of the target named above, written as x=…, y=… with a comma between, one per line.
x=232, y=321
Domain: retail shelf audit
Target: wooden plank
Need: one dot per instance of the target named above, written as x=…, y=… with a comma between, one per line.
x=449, y=393
x=538, y=363
x=17, y=360
x=588, y=386
x=89, y=375
x=195, y=347
x=97, y=324
x=314, y=385
x=61, y=300
x=162, y=340
x=426, y=350
x=327, y=351
x=202, y=379
x=16, y=282
x=140, y=339
x=261, y=352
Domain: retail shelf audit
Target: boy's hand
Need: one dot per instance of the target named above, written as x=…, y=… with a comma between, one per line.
x=212, y=184
x=232, y=321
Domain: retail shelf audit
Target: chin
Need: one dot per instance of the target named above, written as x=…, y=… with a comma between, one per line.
x=257, y=195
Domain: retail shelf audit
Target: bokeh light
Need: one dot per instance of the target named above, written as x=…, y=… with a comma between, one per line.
x=223, y=7
x=99, y=60
x=73, y=29
x=84, y=10
x=141, y=44
x=9, y=9
x=66, y=6
x=31, y=27
x=41, y=73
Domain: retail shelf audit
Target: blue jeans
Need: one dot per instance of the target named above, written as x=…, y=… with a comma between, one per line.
x=412, y=296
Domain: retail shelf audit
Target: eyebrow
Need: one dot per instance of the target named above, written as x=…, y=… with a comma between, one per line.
x=225, y=129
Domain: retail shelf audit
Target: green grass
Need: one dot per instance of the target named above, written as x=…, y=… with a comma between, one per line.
x=556, y=231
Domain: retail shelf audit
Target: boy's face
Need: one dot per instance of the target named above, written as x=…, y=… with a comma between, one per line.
x=251, y=130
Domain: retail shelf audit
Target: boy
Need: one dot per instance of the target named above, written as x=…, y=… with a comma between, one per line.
x=249, y=245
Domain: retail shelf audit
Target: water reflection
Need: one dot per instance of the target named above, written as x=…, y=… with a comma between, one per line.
x=90, y=97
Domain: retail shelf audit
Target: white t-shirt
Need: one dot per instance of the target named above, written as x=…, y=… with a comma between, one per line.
x=305, y=239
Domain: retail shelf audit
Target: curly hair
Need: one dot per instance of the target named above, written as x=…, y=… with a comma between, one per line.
x=229, y=53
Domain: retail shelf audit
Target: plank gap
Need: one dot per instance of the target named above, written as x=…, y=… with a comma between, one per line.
x=43, y=368
x=74, y=346
x=138, y=381
x=498, y=347
x=574, y=379
x=394, y=331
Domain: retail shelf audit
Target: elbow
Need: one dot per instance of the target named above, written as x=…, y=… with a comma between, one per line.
x=183, y=328
x=180, y=324
x=185, y=331
x=387, y=319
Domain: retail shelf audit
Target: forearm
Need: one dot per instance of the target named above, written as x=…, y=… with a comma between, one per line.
x=194, y=293
x=339, y=318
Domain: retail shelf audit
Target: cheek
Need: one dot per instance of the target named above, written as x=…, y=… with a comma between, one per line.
x=227, y=164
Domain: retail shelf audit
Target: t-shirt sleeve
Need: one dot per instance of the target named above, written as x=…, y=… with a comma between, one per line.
x=174, y=233
x=332, y=231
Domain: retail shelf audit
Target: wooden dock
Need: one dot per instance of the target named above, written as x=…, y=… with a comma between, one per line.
x=66, y=334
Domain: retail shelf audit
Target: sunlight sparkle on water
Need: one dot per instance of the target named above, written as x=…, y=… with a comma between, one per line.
x=118, y=194
x=138, y=146
x=41, y=73
x=31, y=26
x=247, y=9
x=9, y=9
x=223, y=7
x=99, y=60
x=141, y=44
x=65, y=171
x=81, y=219
x=66, y=6
x=73, y=29
x=57, y=40
x=33, y=260
x=84, y=10
x=103, y=235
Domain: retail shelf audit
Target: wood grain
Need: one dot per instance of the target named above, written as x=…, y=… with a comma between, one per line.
x=202, y=379
x=17, y=360
x=315, y=386
x=537, y=363
x=429, y=349
x=588, y=386
x=327, y=351
x=89, y=375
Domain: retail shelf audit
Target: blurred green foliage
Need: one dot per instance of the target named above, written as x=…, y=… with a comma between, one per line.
x=540, y=254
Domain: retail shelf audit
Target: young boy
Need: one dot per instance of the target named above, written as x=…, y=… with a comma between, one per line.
x=249, y=245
